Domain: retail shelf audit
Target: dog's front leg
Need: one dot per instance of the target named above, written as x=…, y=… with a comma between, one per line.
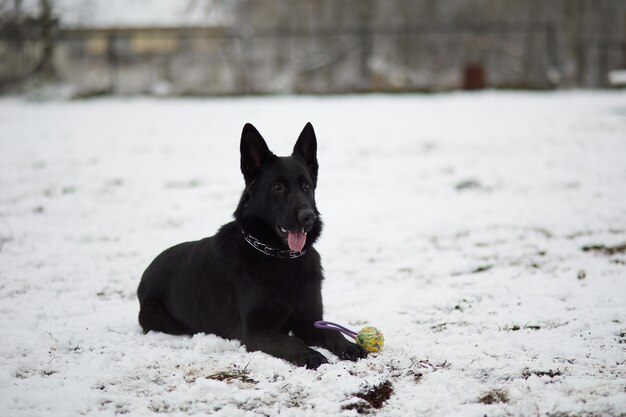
x=329, y=339
x=262, y=327
x=285, y=347
x=304, y=327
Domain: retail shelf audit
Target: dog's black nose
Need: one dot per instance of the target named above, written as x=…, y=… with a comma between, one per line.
x=306, y=217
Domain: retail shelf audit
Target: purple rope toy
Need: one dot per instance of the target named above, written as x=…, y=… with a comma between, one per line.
x=369, y=337
x=329, y=325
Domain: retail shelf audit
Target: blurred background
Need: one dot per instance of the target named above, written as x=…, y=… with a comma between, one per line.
x=234, y=47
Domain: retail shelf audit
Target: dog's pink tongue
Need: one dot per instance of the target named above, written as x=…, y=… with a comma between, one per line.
x=296, y=240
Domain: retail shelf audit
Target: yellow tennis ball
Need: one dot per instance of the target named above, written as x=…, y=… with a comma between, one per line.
x=370, y=338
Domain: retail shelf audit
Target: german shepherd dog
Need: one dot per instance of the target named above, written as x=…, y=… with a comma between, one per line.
x=259, y=278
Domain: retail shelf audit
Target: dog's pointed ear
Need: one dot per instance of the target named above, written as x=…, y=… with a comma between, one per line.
x=306, y=148
x=254, y=152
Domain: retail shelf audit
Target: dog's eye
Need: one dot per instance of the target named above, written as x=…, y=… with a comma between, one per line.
x=306, y=186
x=277, y=186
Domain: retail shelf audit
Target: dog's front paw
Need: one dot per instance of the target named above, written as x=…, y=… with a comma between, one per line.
x=350, y=351
x=310, y=359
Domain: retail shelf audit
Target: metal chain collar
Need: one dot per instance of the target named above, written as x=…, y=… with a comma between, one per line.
x=268, y=250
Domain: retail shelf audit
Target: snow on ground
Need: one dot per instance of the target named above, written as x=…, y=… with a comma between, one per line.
x=456, y=223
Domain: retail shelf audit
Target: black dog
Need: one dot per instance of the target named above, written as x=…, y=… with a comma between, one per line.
x=258, y=278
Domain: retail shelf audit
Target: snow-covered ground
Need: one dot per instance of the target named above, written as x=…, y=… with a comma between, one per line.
x=466, y=226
